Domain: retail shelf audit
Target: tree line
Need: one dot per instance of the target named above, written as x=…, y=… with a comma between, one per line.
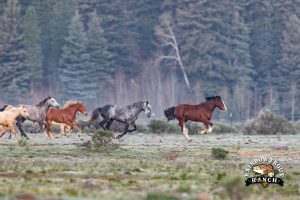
x=168, y=52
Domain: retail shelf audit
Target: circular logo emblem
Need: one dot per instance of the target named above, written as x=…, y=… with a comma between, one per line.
x=264, y=171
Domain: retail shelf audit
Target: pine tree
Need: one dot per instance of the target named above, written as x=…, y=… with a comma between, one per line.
x=54, y=17
x=77, y=75
x=263, y=50
x=290, y=65
x=14, y=75
x=100, y=58
x=32, y=41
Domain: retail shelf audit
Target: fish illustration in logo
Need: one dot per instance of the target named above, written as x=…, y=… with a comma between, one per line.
x=264, y=170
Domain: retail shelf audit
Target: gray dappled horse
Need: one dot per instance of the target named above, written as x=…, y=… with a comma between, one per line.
x=124, y=114
x=37, y=113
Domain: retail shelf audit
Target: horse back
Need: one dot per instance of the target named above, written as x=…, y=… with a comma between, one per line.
x=190, y=112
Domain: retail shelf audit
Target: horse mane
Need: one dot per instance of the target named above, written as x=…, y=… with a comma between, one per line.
x=43, y=102
x=70, y=103
x=136, y=104
x=211, y=98
x=3, y=108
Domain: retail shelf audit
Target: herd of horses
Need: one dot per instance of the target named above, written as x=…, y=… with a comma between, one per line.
x=48, y=111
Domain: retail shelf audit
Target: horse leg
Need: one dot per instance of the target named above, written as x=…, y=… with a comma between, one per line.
x=62, y=129
x=69, y=130
x=78, y=127
x=104, y=121
x=125, y=131
x=12, y=130
x=41, y=126
x=3, y=130
x=208, y=127
x=134, y=127
x=184, y=130
x=48, y=129
x=109, y=124
x=19, y=125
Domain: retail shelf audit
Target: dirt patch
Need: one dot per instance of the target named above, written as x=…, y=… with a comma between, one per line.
x=270, y=153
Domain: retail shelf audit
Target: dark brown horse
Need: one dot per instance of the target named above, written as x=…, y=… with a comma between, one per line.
x=65, y=115
x=197, y=113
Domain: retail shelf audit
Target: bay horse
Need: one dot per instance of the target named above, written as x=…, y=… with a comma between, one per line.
x=37, y=113
x=124, y=114
x=198, y=113
x=8, y=118
x=65, y=115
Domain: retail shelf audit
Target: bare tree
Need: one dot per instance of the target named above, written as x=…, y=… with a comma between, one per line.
x=167, y=39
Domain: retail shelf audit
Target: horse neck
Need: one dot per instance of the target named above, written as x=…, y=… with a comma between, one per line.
x=16, y=113
x=73, y=109
x=139, y=110
x=211, y=105
x=46, y=106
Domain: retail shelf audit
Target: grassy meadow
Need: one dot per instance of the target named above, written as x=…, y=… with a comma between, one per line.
x=144, y=166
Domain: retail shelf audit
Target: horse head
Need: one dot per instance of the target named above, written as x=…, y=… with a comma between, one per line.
x=52, y=102
x=218, y=102
x=22, y=111
x=82, y=109
x=147, y=109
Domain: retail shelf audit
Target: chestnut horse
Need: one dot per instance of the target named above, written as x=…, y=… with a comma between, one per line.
x=65, y=115
x=63, y=126
x=197, y=113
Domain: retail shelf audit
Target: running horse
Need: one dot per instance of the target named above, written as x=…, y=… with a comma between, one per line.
x=124, y=114
x=197, y=113
x=63, y=126
x=65, y=115
x=8, y=119
x=37, y=113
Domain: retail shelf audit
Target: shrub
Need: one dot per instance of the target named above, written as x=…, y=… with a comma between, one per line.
x=219, y=153
x=296, y=126
x=159, y=126
x=268, y=123
x=224, y=128
x=141, y=128
x=23, y=142
x=102, y=138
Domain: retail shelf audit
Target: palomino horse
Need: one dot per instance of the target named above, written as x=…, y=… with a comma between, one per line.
x=6, y=107
x=65, y=115
x=126, y=114
x=63, y=126
x=8, y=118
x=197, y=113
x=37, y=113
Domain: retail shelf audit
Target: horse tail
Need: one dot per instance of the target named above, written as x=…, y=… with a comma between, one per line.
x=95, y=115
x=169, y=113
